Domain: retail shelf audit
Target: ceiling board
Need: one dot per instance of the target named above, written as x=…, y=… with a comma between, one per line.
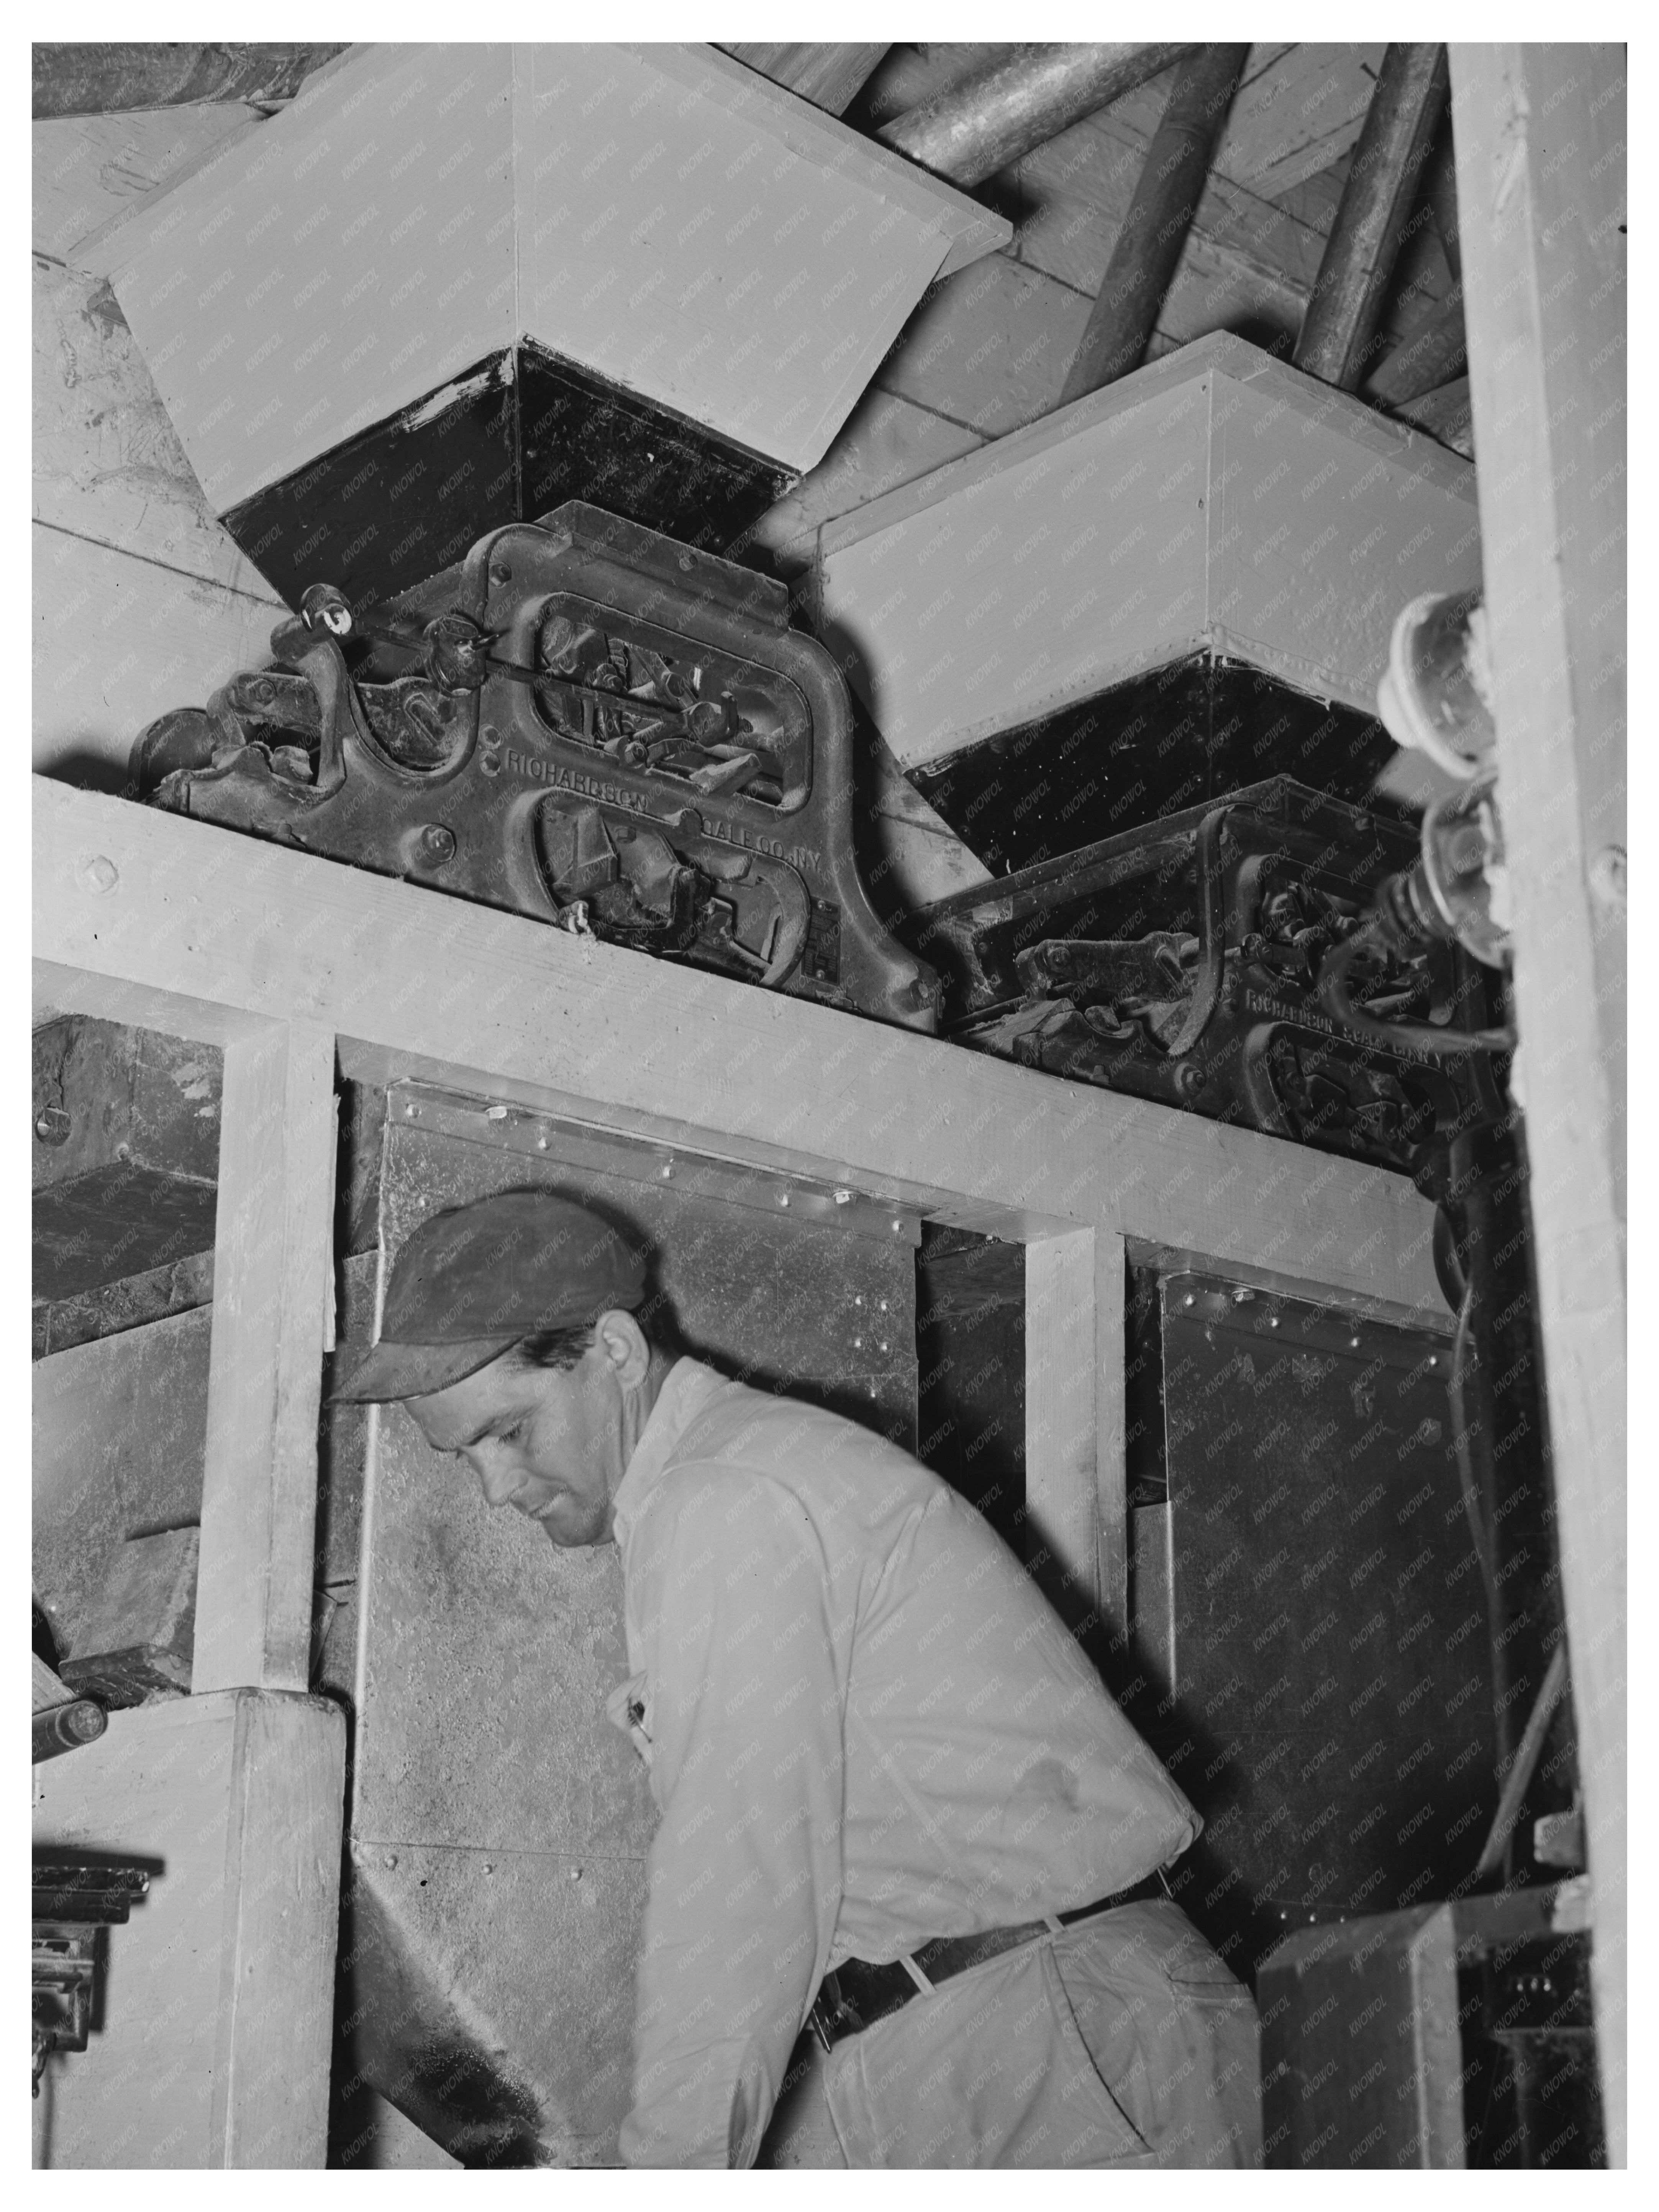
x=828, y=75
x=88, y=170
x=1298, y=115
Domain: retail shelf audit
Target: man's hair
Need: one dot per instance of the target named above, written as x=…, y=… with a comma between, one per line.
x=563, y=1348
x=554, y=1347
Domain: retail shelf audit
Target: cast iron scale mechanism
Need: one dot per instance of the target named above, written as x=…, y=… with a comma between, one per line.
x=72, y=1901
x=602, y=729
x=1180, y=962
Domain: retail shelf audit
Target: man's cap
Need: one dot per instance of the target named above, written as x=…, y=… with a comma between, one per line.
x=475, y=1279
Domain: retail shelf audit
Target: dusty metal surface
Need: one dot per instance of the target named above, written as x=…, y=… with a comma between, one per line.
x=103, y=1093
x=101, y=79
x=123, y=1161
x=499, y=1822
x=120, y=1430
x=108, y=1309
x=1331, y=1694
x=115, y=1222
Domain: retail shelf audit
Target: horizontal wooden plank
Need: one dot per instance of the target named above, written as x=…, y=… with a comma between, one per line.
x=204, y=914
x=118, y=640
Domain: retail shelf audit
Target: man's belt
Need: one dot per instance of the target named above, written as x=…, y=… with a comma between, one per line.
x=859, y=1993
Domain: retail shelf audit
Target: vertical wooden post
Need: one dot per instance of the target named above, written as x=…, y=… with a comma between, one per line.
x=1061, y=1420
x=1111, y=1427
x=270, y=1297
x=1539, y=134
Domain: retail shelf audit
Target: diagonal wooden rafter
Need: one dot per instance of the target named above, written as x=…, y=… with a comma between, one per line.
x=1149, y=244
x=1350, y=289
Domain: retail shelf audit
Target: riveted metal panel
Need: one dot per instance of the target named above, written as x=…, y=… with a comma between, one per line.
x=1332, y=1705
x=500, y=1822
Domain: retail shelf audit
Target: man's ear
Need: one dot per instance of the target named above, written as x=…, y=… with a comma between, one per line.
x=623, y=1342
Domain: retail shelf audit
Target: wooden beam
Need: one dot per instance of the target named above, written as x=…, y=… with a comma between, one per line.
x=1540, y=138
x=103, y=80
x=1061, y=1490
x=1021, y=96
x=413, y=976
x=1143, y=263
x=272, y=1289
x=827, y=75
x=1350, y=291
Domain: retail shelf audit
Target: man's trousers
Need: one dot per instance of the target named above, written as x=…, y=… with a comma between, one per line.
x=1121, y=2041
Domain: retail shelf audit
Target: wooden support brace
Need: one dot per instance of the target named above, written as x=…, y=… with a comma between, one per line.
x=1143, y=263
x=1351, y=286
x=272, y=1297
x=1540, y=138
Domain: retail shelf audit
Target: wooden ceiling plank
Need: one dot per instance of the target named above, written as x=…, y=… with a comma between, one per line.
x=1435, y=352
x=103, y=79
x=1298, y=115
x=828, y=75
x=1446, y=414
x=1071, y=236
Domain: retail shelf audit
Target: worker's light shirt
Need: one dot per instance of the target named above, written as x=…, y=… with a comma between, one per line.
x=865, y=1728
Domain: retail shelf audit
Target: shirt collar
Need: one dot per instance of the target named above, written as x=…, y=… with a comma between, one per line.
x=686, y=1390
